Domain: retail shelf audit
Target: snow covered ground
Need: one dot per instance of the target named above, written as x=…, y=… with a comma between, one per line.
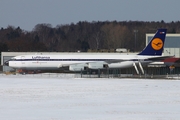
x=29, y=97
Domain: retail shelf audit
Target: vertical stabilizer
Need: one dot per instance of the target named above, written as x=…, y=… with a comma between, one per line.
x=156, y=45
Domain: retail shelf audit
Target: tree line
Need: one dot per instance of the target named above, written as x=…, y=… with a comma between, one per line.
x=81, y=36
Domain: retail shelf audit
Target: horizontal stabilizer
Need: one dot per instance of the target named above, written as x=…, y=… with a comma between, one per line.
x=159, y=58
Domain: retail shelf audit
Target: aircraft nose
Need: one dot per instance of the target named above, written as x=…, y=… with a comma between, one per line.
x=6, y=63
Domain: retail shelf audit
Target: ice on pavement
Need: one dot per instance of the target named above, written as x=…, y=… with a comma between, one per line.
x=67, y=98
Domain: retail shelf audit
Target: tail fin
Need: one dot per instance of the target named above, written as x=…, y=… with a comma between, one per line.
x=156, y=45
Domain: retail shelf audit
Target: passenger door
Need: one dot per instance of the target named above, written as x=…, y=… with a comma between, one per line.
x=22, y=60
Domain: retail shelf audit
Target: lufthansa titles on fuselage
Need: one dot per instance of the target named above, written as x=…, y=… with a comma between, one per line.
x=40, y=57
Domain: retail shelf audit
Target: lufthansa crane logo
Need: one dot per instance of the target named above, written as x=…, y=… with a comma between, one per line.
x=157, y=44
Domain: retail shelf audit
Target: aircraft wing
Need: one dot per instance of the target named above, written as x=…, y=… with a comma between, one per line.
x=114, y=61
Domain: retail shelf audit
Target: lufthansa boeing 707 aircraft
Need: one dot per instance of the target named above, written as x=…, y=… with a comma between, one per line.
x=77, y=62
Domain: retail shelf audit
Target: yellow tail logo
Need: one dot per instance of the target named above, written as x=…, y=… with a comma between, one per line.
x=157, y=43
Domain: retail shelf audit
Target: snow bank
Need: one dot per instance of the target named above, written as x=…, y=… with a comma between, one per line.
x=64, y=98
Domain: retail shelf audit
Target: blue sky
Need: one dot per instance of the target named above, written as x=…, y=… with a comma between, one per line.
x=28, y=13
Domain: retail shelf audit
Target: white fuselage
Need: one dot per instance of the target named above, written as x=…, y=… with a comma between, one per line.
x=93, y=61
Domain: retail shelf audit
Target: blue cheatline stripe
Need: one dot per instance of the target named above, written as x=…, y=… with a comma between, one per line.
x=72, y=60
